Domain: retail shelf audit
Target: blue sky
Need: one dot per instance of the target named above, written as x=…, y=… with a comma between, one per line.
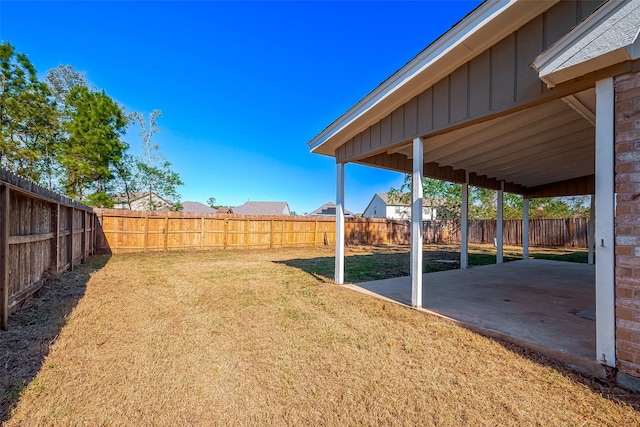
x=242, y=86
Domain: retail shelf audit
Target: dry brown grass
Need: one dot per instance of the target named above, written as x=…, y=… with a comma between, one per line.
x=240, y=338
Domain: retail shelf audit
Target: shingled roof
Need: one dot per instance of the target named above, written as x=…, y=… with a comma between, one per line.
x=263, y=208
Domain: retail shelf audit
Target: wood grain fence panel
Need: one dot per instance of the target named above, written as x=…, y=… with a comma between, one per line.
x=214, y=232
x=36, y=240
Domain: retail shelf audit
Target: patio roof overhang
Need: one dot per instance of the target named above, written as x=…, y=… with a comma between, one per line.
x=540, y=143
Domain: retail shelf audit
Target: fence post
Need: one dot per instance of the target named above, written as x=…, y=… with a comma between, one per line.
x=271, y=237
x=202, y=233
x=246, y=235
x=166, y=231
x=70, y=239
x=145, y=236
x=55, y=243
x=315, y=234
x=5, y=204
x=225, y=233
x=83, y=241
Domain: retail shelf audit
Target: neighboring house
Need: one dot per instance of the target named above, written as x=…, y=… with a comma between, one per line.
x=263, y=208
x=329, y=209
x=140, y=202
x=197, y=207
x=381, y=207
x=224, y=210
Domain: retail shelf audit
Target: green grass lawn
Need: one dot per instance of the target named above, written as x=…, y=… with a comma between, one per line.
x=363, y=264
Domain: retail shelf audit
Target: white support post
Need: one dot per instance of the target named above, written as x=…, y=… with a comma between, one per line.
x=605, y=234
x=525, y=229
x=591, y=230
x=499, y=224
x=416, y=224
x=339, y=273
x=464, y=224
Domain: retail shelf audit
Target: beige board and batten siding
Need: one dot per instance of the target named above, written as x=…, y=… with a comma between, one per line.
x=497, y=81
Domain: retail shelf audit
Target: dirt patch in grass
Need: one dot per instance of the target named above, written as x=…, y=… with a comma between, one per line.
x=243, y=338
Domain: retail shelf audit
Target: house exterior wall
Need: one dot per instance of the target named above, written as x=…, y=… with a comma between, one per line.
x=142, y=204
x=376, y=209
x=627, y=228
x=379, y=209
x=498, y=80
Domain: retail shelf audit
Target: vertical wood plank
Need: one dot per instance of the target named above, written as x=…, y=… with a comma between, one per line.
x=5, y=204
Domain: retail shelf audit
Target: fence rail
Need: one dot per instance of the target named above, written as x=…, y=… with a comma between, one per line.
x=41, y=235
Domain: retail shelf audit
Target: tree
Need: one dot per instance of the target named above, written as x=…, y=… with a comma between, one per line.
x=93, y=147
x=61, y=80
x=28, y=118
x=447, y=197
x=154, y=171
x=211, y=202
x=126, y=182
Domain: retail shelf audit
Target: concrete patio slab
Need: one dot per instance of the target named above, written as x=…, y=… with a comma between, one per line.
x=541, y=304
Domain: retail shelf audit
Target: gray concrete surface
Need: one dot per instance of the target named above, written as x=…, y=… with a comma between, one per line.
x=545, y=305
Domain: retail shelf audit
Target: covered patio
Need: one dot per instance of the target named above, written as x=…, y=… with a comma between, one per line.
x=545, y=305
x=532, y=98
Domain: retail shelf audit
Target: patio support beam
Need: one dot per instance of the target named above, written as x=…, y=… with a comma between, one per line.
x=339, y=272
x=464, y=224
x=525, y=229
x=591, y=230
x=499, y=224
x=605, y=235
x=416, y=223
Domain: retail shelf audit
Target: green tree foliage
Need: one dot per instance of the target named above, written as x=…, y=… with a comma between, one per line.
x=28, y=118
x=94, y=128
x=154, y=172
x=447, y=197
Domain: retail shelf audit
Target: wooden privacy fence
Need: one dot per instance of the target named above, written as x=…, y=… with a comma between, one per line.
x=41, y=235
x=572, y=232
x=130, y=231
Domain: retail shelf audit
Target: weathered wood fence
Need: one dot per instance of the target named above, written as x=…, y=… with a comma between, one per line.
x=130, y=231
x=41, y=235
x=571, y=232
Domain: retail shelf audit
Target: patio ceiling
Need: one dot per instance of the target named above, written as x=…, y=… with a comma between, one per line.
x=547, y=143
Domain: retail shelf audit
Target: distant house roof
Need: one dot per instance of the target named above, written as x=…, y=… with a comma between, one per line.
x=263, y=208
x=197, y=207
x=329, y=209
x=224, y=210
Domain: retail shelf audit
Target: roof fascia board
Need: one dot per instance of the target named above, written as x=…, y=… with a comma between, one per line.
x=450, y=46
x=544, y=63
